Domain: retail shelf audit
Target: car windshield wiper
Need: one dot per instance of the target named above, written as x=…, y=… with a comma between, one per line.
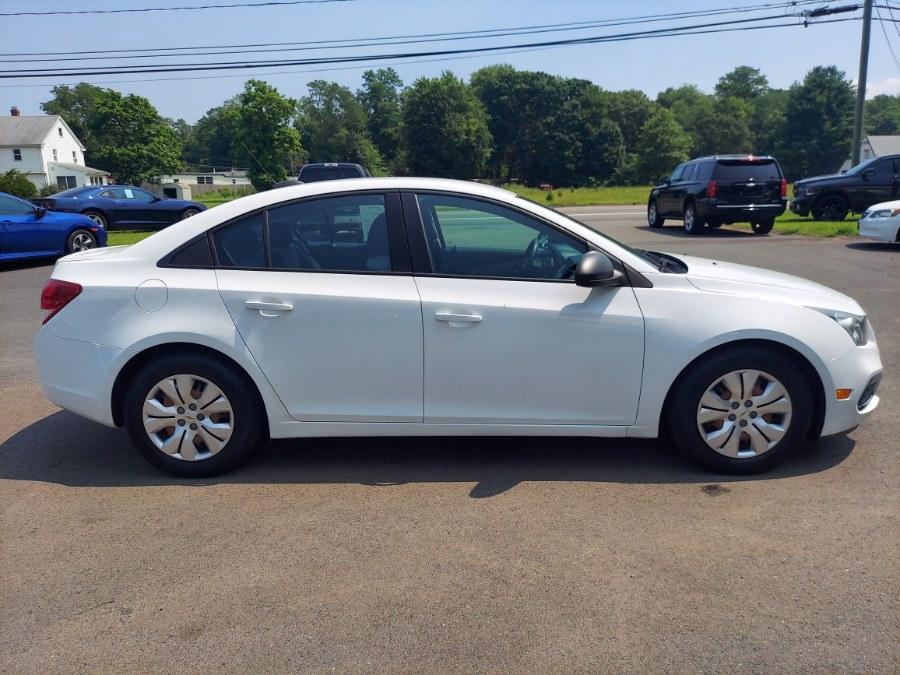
x=664, y=263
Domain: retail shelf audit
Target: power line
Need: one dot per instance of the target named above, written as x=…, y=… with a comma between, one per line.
x=886, y=39
x=243, y=65
x=330, y=44
x=70, y=55
x=132, y=10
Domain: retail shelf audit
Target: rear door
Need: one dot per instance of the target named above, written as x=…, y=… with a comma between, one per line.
x=742, y=182
x=335, y=325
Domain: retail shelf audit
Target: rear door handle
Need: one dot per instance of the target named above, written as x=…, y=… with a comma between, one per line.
x=268, y=308
x=451, y=317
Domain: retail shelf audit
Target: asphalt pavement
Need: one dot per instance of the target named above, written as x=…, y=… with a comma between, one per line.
x=463, y=554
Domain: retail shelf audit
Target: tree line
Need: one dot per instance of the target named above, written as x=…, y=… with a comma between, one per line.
x=502, y=124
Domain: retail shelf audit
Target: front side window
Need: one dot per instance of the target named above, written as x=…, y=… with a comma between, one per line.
x=10, y=206
x=343, y=234
x=883, y=171
x=240, y=244
x=676, y=174
x=474, y=238
x=688, y=173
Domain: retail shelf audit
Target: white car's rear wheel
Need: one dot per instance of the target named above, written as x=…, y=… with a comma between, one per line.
x=192, y=416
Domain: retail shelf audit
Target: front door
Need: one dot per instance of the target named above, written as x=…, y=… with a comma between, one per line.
x=509, y=337
x=329, y=310
x=21, y=231
x=133, y=205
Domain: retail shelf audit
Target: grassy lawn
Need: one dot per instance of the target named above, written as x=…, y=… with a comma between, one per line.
x=125, y=237
x=584, y=196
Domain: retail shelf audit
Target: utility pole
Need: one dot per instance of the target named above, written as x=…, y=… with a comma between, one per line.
x=861, y=83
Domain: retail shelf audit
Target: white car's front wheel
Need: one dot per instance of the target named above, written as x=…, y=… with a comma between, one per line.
x=742, y=411
x=192, y=416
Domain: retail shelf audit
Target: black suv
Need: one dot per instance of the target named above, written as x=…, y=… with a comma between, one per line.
x=722, y=189
x=833, y=197
x=311, y=173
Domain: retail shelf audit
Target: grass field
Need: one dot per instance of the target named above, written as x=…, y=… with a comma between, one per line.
x=584, y=196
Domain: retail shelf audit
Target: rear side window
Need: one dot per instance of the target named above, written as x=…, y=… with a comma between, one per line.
x=240, y=244
x=739, y=170
x=195, y=254
x=343, y=234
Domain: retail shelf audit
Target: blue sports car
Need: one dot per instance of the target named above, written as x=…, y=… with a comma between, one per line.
x=29, y=231
x=122, y=206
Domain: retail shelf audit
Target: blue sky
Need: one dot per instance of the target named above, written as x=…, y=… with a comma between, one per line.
x=784, y=54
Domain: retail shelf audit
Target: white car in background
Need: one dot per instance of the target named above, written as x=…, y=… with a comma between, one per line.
x=411, y=306
x=881, y=222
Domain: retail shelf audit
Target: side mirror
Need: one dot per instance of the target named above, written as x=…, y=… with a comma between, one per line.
x=595, y=269
x=39, y=212
x=868, y=173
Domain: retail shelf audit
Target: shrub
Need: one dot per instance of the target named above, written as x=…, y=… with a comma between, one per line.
x=17, y=183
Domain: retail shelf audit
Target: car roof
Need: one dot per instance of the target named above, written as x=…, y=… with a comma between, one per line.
x=736, y=156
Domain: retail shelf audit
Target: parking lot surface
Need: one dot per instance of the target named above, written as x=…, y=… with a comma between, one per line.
x=456, y=554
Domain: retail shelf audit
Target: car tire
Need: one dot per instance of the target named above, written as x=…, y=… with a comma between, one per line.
x=762, y=226
x=830, y=207
x=227, y=428
x=653, y=217
x=80, y=240
x=98, y=218
x=768, y=430
x=692, y=223
x=188, y=213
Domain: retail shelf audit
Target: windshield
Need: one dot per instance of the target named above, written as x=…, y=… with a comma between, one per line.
x=661, y=261
x=71, y=192
x=860, y=167
x=313, y=174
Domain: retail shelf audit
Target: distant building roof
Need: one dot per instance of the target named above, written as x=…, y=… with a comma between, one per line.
x=884, y=145
x=81, y=168
x=30, y=130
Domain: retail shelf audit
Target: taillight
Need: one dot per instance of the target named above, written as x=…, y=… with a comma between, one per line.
x=56, y=295
x=711, y=188
x=783, y=188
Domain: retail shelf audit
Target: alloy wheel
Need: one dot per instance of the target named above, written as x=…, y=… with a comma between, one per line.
x=744, y=413
x=82, y=241
x=188, y=417
x=651, y=214
x=97, y=218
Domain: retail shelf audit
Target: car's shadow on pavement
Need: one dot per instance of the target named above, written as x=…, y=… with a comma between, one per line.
x=874, y=246
x=706, y=233
x=65, y=449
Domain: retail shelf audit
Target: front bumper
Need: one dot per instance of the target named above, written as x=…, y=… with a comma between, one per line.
x=800, y=206
x=73, y=374
x=880, y=229
x=858, y=369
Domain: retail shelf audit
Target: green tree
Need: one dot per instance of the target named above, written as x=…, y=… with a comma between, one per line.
x=501, y=90
x=629, y=109
x=743, y=82
x=882, y=116
x=333, y=126
x=264, y=135
x=818, y=123
x=727, y=128
x=445, y=128
x=212, y=139
x=767, y=121
x=75, y=105
x=16, y=183
x=380, y=97
x=661, y=146
x=692, y=110
x=130, y=138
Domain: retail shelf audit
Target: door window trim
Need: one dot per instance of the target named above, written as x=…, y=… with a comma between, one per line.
x=401, y=264
x=421, y=258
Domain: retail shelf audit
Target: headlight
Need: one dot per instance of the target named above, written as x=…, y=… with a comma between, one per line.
x=853, y=324
x=882, y=213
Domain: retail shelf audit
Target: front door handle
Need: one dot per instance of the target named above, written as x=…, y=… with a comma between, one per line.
x=268, y=308
x=451, y=317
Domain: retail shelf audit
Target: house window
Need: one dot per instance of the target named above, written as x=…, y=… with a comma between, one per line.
x=17, y=154
x=60, y=131
x=233, y=181
x=74, y=157
x=55, y=155
x=65, y=182
x=204, y=180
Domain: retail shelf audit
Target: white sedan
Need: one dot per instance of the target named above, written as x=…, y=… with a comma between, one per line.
x=410, y=306
x=881, y=222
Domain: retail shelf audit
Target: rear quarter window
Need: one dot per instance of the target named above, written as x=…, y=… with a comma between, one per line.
x=738, y=171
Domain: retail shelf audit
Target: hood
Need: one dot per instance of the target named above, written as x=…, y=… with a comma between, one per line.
x=715, y=276
x=821, y=179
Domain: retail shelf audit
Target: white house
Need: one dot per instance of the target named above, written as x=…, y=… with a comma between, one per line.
x=199, y=183
x=44, y=148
